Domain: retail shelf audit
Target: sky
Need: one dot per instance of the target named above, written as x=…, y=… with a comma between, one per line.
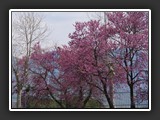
x=60, y=25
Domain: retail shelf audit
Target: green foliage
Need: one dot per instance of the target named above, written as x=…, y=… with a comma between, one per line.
x=41, y=103
x=93, y=104
x=49, y=103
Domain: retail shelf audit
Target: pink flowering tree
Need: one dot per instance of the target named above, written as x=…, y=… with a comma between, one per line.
x=46, y=80
x=51, y=79
x=76, y=91
x=130, y=50
x=90, y=47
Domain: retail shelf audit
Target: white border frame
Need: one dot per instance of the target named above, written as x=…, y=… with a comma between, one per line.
x=80, y=10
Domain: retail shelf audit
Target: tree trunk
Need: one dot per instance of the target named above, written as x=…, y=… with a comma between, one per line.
x=111, y=94
x=132, y=97
x=109, y=101
x=87, y=98
x=108, y=97
x=19, y=97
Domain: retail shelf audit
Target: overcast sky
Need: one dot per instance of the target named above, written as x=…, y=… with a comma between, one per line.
x=61, y=24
